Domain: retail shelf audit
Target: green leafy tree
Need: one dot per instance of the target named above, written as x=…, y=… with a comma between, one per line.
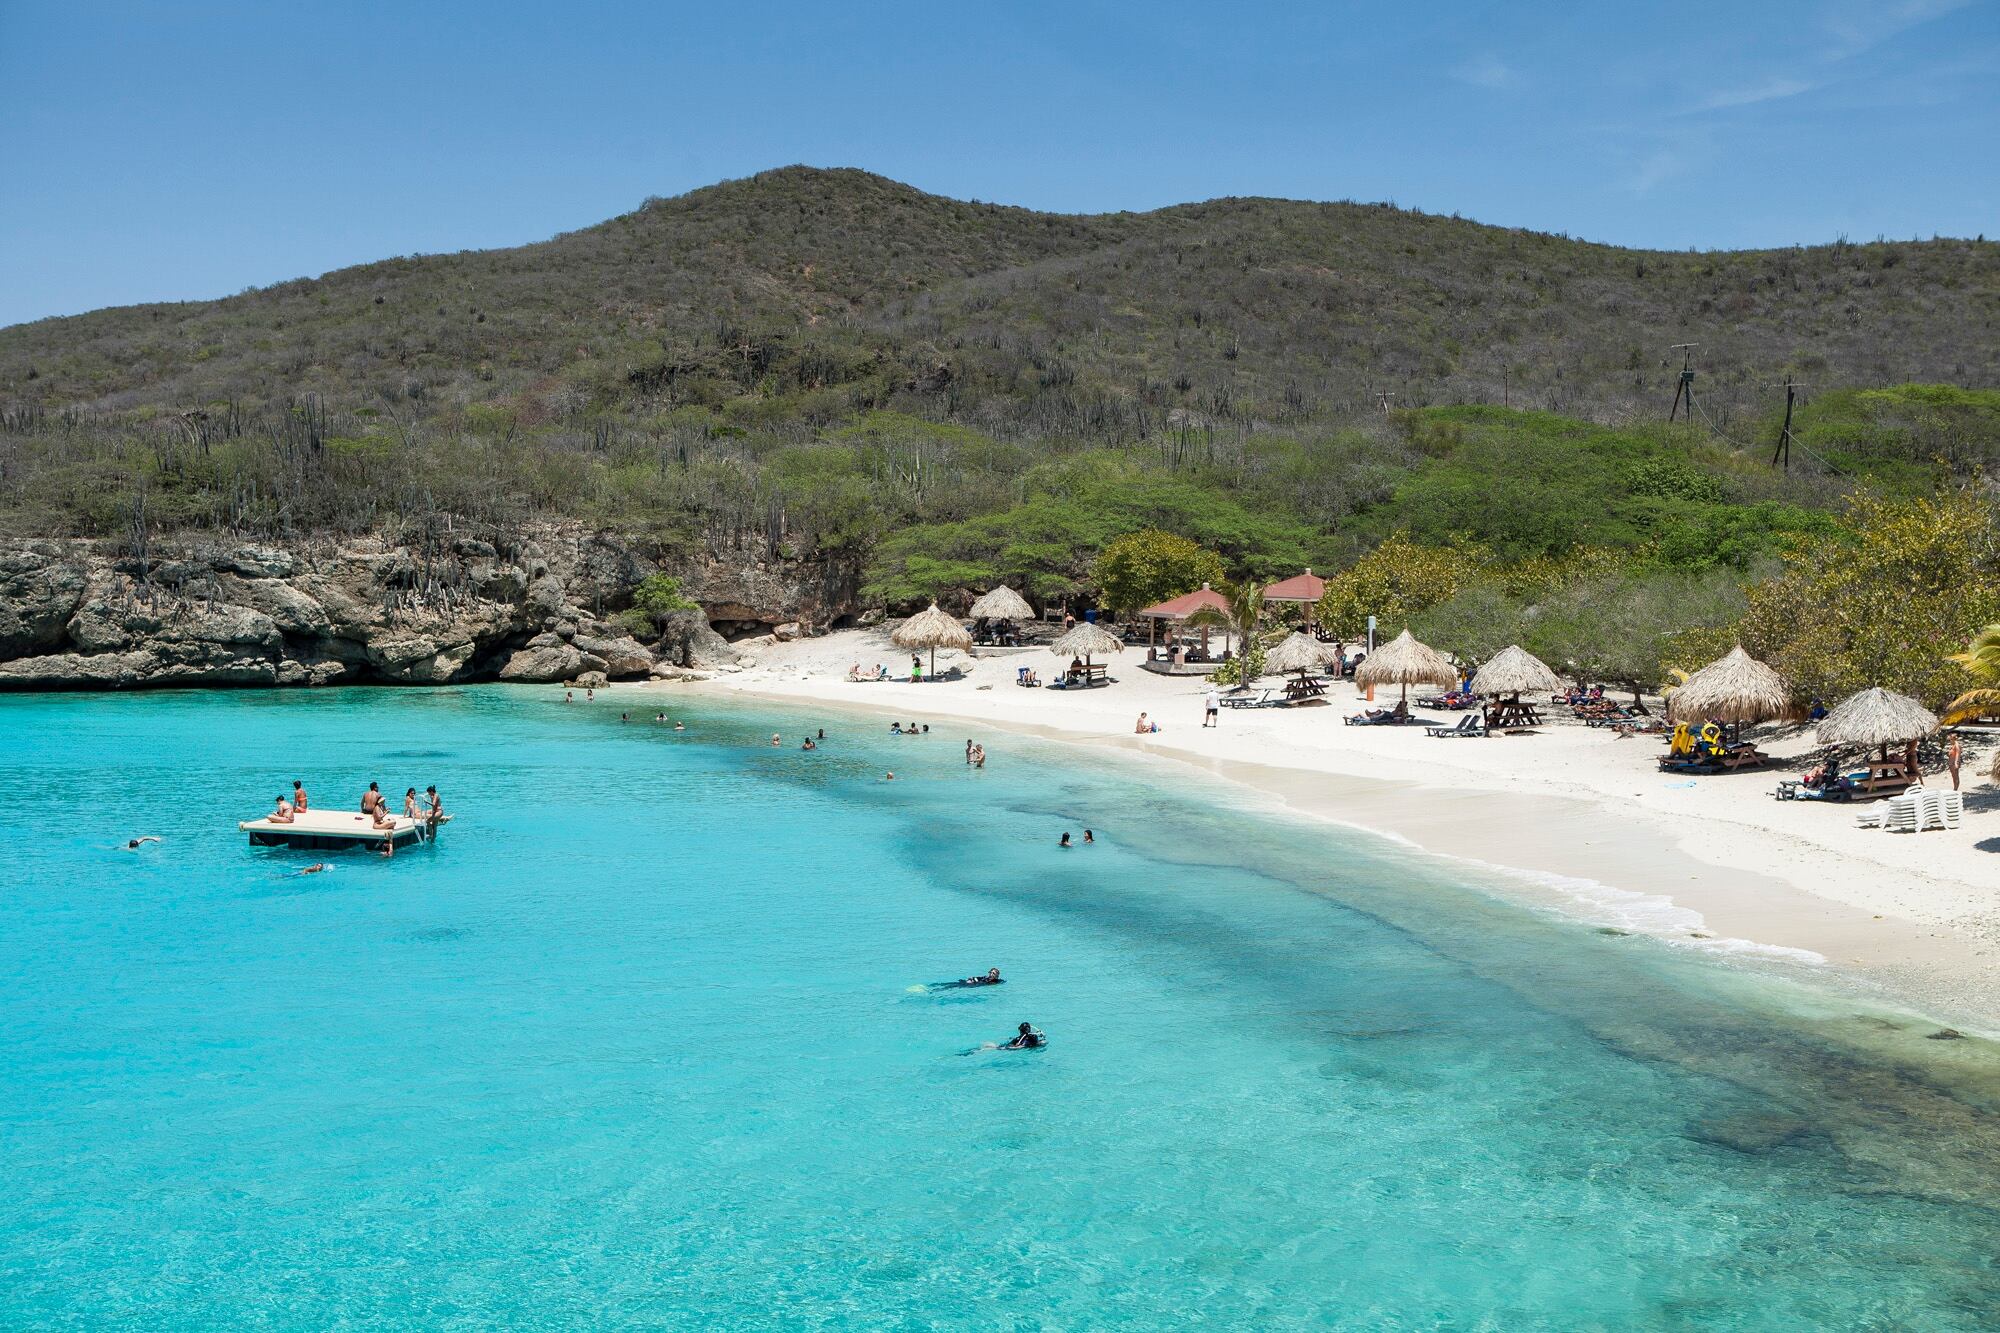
x=1874, y=608
x=1150, y=566
x=1394, y=582
x=657, y=597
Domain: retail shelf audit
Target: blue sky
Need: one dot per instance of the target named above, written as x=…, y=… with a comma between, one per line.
x=153, y=151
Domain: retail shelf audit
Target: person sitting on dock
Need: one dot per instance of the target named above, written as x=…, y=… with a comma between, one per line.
x=383, y=819
x=283, y=814
x=299, y=802
x=410, y=810
x=371, y=800
x=436, y=812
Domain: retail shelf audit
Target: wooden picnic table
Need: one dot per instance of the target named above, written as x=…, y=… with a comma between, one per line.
x=1514, y=712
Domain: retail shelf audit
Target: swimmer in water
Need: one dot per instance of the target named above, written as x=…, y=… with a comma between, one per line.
x=316, y=868
x=1088, y=837
x=680, y=726
x=135, y=844
x=1027, y=1039
x=888, y=777
x=810, y=744
x=1065, y=841
x=992, y=978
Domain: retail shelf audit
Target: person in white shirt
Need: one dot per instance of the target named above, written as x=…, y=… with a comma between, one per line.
x=1211, y=708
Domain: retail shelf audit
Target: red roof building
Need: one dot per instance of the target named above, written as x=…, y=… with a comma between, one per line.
x=1306, y=587
x=1185, y=605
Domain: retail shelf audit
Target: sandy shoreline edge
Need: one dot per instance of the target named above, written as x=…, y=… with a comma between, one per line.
x=1573, y=819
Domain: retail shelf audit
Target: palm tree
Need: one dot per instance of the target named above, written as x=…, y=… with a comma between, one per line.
x=1246, y=608
x=1981, y=660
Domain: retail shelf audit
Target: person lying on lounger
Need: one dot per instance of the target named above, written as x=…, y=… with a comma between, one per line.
x=1400, y=713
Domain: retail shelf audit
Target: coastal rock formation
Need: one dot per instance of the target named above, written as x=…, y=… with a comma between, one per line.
x=209, y=611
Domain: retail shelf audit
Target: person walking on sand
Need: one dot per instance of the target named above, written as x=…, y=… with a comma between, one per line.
x=1211, y=707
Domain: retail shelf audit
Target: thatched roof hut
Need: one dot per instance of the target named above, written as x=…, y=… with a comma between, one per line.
x=931, y=629
x=1003, y=603
x=1734, y=688
x=1876, y=717
x=1299, y=652
x=1406, y=662
x=1086, y=640
x=1515, y=671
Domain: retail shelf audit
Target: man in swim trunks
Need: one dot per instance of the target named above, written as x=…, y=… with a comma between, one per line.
x=371, y=800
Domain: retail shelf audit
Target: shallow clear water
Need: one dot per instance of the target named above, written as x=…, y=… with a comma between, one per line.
x=636, y=1043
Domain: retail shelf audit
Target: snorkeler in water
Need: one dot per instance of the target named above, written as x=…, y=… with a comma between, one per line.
x=135, y=844
x=1027, y=1039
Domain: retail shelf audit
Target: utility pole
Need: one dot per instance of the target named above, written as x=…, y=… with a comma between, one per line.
x=1684, y=389
x=1783, y=452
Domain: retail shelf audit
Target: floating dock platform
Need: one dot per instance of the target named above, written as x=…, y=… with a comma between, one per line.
x=338, y=830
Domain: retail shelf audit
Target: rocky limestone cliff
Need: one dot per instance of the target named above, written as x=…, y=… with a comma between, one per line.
x=212, y=611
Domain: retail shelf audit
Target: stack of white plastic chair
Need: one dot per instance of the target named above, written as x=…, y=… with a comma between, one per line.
x=1901, y=814
x=1939, y=809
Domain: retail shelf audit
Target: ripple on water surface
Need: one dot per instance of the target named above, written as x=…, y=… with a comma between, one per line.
x=637, y=1041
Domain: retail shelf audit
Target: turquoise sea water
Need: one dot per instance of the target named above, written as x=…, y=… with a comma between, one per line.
x=636, y=1044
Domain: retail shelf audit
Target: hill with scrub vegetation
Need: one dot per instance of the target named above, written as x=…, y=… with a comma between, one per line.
x=943, y=394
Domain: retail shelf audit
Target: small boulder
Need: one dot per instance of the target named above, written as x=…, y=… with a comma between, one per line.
x=543, y=663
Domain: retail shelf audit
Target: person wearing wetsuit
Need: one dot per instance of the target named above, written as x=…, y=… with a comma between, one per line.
x=1027, y=1039
x=992, y=978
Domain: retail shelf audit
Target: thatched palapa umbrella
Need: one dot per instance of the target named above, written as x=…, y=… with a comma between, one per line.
x=1087, y=638
x=1003, y=603
x=1299, y=652
x=1515, y=671
x=1736, y=688
x=1405, y=661
x=931, y=629
x=1877, y=717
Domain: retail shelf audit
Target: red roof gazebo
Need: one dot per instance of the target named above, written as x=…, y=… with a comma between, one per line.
x=1307, y=587
x=1180, y=608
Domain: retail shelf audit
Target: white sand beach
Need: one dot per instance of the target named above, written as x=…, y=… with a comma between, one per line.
x=1583, y=816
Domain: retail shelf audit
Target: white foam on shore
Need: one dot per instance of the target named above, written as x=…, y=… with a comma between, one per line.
x=1590, y=901
x=1654, y=915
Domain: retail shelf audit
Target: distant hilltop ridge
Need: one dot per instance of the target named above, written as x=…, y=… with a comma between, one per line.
x=1255, y=310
